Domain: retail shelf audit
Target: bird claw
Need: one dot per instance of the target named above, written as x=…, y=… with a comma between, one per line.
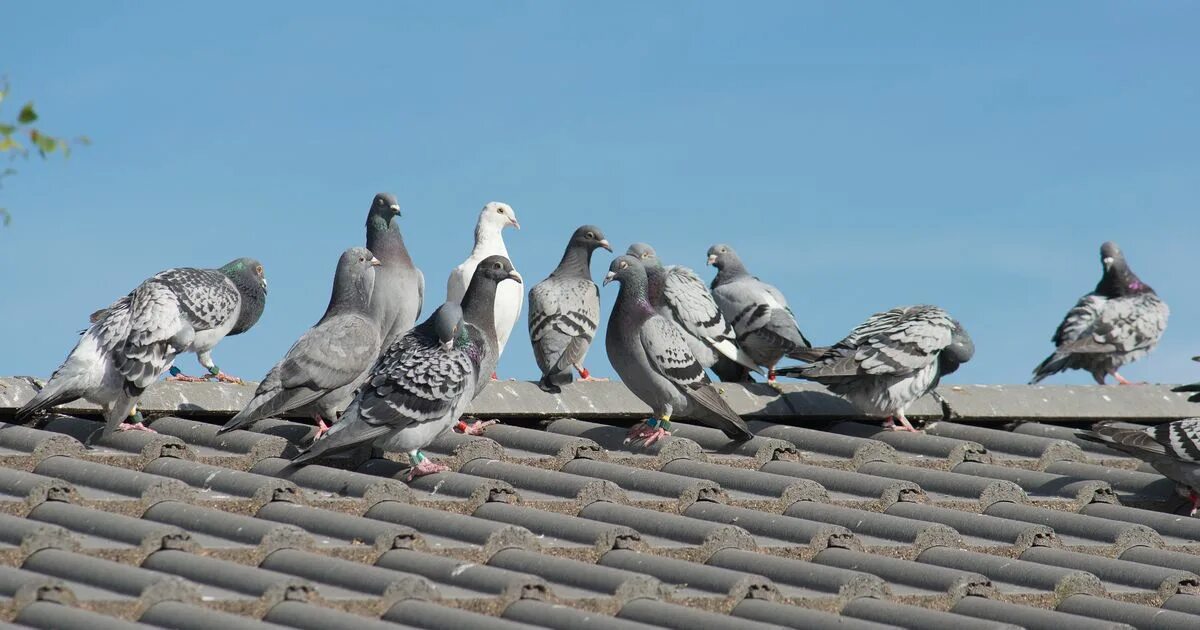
x=184, y=378
x=593, y=379
x=426, y=467
x=476, y=428
x=322, y=429
x=645, y=434
x=129, y=426
x=775, y=385
x=225, y=378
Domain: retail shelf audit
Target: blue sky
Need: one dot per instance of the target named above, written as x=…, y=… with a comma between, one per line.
x=859, y=155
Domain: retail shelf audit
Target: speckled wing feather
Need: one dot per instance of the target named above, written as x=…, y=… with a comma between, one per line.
x=1113, y=325
x=155, y=331
x=564, y=314
x=668, y=354
x=208, y=298
x=897, y=342
x=756, y=308
x=1179, y=440
x=690, y=304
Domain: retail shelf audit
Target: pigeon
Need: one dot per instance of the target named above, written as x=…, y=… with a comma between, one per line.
x=765, y=326
x=564, y=312
x=489, y=241
x=399, y=285
x=319, y=373
x=679, y=295
x=1194, y=387
x=424, y=382
x=652, y=358
x=891, y=360
x=1118, y=323
x=1173, y=449
x=132, y=342
x=219, y=302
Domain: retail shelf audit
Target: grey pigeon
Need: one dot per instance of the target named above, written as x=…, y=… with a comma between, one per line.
x=765, y=326
x=424, y=382
x=219, y=303
x=1173, y=449
x=1194, y=387
x=319, y=373
x=891, y=360
x=1118, y=323
x=564, y=312
x=652, y=358
x=399, y=286
x=132, y=342
x=679, y=295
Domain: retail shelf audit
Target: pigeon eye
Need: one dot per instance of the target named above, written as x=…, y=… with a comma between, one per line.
x=361, y=259
x=258, y=270
x=499, y=210
x=591, y=235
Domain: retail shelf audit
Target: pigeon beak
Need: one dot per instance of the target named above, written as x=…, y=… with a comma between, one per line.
x=396, y=208
x=513, y=275
x=375, y=262
x=609, y=277
x=449, y=343
x=604, y=243
x=513, y=222
x=712, y=259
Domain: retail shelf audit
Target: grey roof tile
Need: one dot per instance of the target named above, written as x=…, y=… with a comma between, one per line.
x=1078, y=529
x=111, y=532
x=140, y=443
x=796, y=617
x=1189, y=604
x=1163, y=558
x=944, y=486
x=431, y=616
x=311, y=617
x=805, y=582
x=336, y=529
x=445, y=531
x=27, y=490
x=234, y=579
x=52, y=616
x=785, y=534
x=1117, y=575
x=978, y=530
x=19, y=443
x=845, y=485
x=1015, y=576
x=1141, y=617
x=667, y=532
x=583, y=580
x=561, y=531
x=1029, y=617
x=1175, y=529
x=217, y=529
x=461, y=579
x=1007, y=443
x=521, y=443
x=717, y=445
x=917, y=618
x=545, y=615
x=20, y=537
x=915, y=445
x=538, y=484
x=100, y=482
x=1043, y=486
x=691, y=579
x=98, y=579
x=448, y=488
x=874, y=529
x=244, y=446
x=180, y=616
x=744, y=485
x=821, y=445
x=217, y=482
x=667, y=615
x=351, y=580
x=648, y=486
x=321, y=482
x=905, y=576
x=1130, y=485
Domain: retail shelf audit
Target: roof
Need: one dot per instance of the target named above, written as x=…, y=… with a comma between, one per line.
x=550, y=521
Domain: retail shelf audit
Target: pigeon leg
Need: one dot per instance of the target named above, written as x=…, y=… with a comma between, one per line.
x=494, y=377
x=1121, y=379
x=423, y=466
x=650, y=431
x=586, y=376
x=225, y=378
x=476, y=428
x=905, y=425
x=135, y=423
x=178, y=376
x=1195, y=499
x=947, y=410
x=771, y=380
x=889, y=423
x=322, y=428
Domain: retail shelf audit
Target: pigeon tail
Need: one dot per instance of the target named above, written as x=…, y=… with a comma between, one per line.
x=552, y=383
x=1053, y=364
x=52, y=395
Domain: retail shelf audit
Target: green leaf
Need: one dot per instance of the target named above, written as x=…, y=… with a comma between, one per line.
x=7, y=130
x=8, y=144
x=45, y=144
x=27, y=114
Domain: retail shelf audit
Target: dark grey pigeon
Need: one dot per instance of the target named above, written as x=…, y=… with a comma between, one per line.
x=1118, y=323
x=399, y=286
x=319, y=373
x=1194, y=387
x=766, y=328
x=424, y=382
x=679, y=295
x=891, y=360
x=564, y=312
x=132, y=342
x=652, y=358
x=1173, y=449
x=218, y=303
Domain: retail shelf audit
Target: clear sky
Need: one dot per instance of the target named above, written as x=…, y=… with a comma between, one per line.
x=859, y=156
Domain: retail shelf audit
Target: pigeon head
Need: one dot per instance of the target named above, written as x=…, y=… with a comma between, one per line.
x=497, y=269
x=251, y=282
x=354, y=279
x=447, y=324
x=590, y=237
x=496, y=216
x=627, y=270
x=642, y=252
x=721, y=256
x=1118, y=280
x=960, y=350
x=479, y=302
x=385, y=204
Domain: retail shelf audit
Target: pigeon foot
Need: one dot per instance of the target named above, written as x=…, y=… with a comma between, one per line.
x=649, y=432
x=184, y=378
x=904, y=425
x=225, y=378
x=135, y=426
x=494, y=377
x=426, y=467
x=476, y=428
x=1195, y=499
x=322, y=429
x=586, y=377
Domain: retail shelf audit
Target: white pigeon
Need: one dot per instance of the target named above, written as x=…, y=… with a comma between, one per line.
x=489, y=241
